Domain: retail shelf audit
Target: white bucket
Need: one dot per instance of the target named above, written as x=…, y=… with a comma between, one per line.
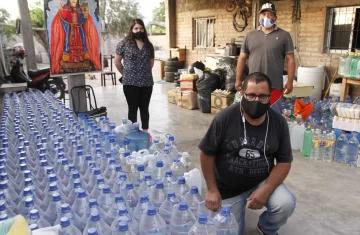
x=314, y=76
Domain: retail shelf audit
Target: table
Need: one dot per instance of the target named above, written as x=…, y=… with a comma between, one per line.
x=346, y=82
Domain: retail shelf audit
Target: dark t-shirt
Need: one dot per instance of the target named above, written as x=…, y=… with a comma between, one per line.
x=241, y=167
x=137, y=63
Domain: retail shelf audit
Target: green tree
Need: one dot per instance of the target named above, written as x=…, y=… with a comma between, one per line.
x=7, y=31
x=118, y=15
x=158, y=15
x=37, y=18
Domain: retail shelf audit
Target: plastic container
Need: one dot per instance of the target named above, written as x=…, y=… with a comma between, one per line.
x=167, y=208
x=182, y=220
x=152, y=223
x=226, y=223
x=202, y=227
x=297, y=136
x=341, y=148
x=352, y=151
x=138, y=139
x=307, y=143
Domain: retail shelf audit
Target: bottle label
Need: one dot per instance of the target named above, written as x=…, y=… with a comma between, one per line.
x=330, y=144
x=322, y=144
x=315, y=144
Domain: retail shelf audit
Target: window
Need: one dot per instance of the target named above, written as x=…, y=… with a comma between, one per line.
x=343, y=30
x=204, y=32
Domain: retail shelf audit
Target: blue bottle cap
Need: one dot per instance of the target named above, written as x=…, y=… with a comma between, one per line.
x=122, y=211
x=194, y=190
x=171, y=138
x=118, y=168
x=88, y=158
x=26, y=143
x=127, y=153
x=108, y=155
x=60, y=139
x=225, y=211
x=52, y=178
x=34, y=213
x=39, y=146
x=112, y=140
x=4, y=176
x=156, y=141
x=166, y=151
x=129, y=185
x=95, y=216
x=202, y=219
x=168, y=144
x=159, y=185
x=3, y=184
x=4, y=217
x=122, y=176
x=5, y=144
x=176, y=160
x=79, y=153
x=92, y=202
x=43, y=163
x=181, y=180
x=2, y=156
x=168, y=173
x=49, y=170
x=56, y=197
x=53, y=187
x=183, y=206
x=126, y=142
x=31, y=226
x=106, y=189
x=71, y=167
x=81, y=193
x=28, y=182
x=170, y=195
x=29, y=202
x=147, y=176
x=22, y=160
x=65, y=162
x=26, y=192
x=61, y=155
x=65, y=208
x=92, y=231
x=2, y=206
x=123, y=226
x=98, y=150
x=77, y=183
x=97, y=171
x=118, y=198
x=23, y=154
x=64, y=222
x=43, y=140
x=112, y=161
x=144, y=198
x=100, y=180
x=151, y=210
x=75, y=175
x=141, y=167
x=159, y=164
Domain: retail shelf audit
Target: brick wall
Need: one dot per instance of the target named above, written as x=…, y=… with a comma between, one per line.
x=308, y=35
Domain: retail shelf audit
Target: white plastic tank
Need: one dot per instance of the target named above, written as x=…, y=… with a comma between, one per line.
x=314, y=76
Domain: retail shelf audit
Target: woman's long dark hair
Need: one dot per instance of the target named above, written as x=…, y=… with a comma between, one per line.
x=130, y=35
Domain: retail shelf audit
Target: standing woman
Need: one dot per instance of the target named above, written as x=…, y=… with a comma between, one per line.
x=137, y=54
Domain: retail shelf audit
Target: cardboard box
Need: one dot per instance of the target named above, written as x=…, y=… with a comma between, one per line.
x=187, y=99
x=301, y=90
x=188, y=85
x=221, y=99
x=179, y=53
x=188, y=76
x=172, y=96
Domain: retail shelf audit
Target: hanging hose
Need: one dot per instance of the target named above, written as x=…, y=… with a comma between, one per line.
x=236, y=25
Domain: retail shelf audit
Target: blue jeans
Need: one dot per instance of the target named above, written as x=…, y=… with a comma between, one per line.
x=280, y=206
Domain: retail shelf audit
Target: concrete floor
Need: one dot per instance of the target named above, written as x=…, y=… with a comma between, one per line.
x=328, y=194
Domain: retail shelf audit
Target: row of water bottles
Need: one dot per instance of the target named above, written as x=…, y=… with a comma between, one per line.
x=57, y=169
x=349, y=65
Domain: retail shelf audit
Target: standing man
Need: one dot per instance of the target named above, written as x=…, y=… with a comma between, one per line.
x=238, y=156
x=266, y=49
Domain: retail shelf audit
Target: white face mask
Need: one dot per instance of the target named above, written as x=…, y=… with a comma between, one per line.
x=266, y=22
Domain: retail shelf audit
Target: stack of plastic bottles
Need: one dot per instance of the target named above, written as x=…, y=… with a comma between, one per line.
x=349, y=65
x=91, y=177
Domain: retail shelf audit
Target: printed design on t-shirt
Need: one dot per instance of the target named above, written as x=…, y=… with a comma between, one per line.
x=247, y=160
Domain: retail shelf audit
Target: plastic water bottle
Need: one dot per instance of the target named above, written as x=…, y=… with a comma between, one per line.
x=131, y=196
x=155, y=147
x=139, y=176
x=81, y=203
x=54, y=209
x=330, y=147
x=177, y=168
x=74, y=218
x=123, y=229
x=115, y=175
x=93, y=206
x=93, y=179
x=120, y=183
x=167, y=208
x=315, y=145
x=67, y=228
x=32, y=227
x=307, y=143
x=146, y=185
x=202, y=227
x=138, y=139
x=142, y=206
x=341, y=148
x=106, y=199
x=73, y=193
x=91, y=231
x=193, y=199
x=322, y=145
x=181, y=188
x=152, y=223
x=226, y=223
x=182, y=219
x=5, y=210
x=159, y=174
x=35, y=218
x=158, y=194
x=110, y=169
x=169, y=181
x=186, y=161
x=123, y=215
x=97, y=222
x=352, y=151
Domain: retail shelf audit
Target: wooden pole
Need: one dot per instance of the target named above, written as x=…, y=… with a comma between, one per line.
x=27, y=34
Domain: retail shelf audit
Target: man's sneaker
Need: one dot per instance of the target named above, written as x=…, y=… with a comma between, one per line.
x=260, y=231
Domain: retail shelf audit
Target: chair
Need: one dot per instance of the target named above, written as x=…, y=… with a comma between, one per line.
x=103, y=77
x=91, y=101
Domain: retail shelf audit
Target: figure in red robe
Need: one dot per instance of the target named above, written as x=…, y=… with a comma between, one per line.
x=74, y=37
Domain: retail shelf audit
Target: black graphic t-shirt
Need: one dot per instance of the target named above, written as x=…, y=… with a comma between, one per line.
x=241, y=165
x=137, y=63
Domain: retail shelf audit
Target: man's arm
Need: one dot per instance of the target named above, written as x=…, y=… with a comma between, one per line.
x=290, y=58
x=213, y=197
x=118, y=64
x=259, y=197
x=240, y=69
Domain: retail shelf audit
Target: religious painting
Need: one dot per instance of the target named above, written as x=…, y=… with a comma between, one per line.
x=74, y=36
